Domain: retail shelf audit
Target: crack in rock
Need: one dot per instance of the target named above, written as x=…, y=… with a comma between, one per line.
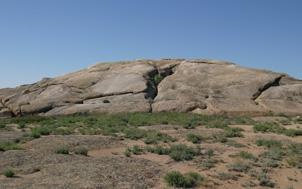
x=273, y=83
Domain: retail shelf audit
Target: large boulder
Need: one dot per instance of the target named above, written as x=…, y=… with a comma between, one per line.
x=199, y=86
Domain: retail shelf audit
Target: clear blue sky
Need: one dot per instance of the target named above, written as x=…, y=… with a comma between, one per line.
x=46, y=38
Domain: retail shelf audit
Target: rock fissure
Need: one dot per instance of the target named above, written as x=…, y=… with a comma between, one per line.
x=108, y=95
x=6, y=107
x=273, y=83
x=154, y=78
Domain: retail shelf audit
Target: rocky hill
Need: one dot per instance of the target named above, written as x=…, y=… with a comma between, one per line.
x=199, y=86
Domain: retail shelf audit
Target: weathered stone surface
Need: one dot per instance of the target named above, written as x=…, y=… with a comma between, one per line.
x=282, y=99
x=199, y=86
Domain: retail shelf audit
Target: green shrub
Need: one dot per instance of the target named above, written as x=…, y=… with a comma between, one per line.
x=81, y=151
x=269, y=143
x=270, y=163
x=153, y=137
x=134, y=133
x=220, y=124
x=7, y=145
x=2, y=125
x=226, y=176
x=62, y=131
x=63, y=150
x=246, y=155
x=157, y=79
x=293, y=132
x=274, y=154
x=275, y=128
x=233, y=132
x=191, y=125
x=209, y=153
x=242, y=120
x=264, y=180
x=294, y=155
x=41, y=130
x=127, y=152
x=180, y=152
x=21, y=125
x=239, y=167
x=195, y=139
x=266, y=127
x=188, y=180
x=208, y=163
x=158, y=150
x=35, y=134
x=235, y=144
x=137, y=150
x=9, y=173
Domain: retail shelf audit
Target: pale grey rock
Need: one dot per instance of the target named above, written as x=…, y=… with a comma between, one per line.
x=198, y=86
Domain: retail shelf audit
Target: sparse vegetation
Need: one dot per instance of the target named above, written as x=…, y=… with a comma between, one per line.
x=271, y=127
x=214, y=132
x=187, y=180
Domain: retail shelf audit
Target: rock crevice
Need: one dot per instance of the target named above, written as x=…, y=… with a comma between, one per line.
x=273, y=83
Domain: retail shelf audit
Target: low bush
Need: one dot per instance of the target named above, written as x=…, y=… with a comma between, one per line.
x=269, y=143
x=264, y=180
x=8, y=145
x=81, y=151
x=226, y=176
x=63, y=150
x=127, y=152
x=158, y=150
x=9, y=173
x=180, y=152
x=137, y=150
x=2, y=125
x=266, y=127
x=239, y=167
x=208, y=163
x=153, y=137
x=246, y=155
x=187, y=180
x=195, y=139
x=233, y=132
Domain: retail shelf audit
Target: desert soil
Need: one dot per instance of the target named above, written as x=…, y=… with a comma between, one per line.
x=38, y=166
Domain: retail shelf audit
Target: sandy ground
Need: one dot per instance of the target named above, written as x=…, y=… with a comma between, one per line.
x=38, y=166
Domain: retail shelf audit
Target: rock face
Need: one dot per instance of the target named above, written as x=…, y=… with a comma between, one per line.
x=199, y=86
